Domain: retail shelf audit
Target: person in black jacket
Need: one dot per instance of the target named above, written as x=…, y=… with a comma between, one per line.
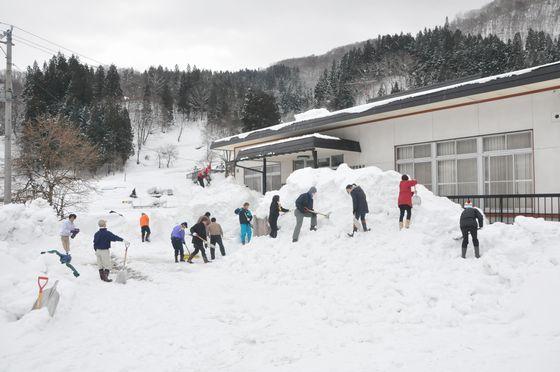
x=359, y=206
x=198, y=232
x=274, y=213
x=468, y=224
x=101, y=244
x=304, y=208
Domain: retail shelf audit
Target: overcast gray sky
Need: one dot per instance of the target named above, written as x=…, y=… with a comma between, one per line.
x=214, y=34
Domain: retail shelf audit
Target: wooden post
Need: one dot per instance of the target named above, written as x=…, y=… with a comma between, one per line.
x=315, y=159
x=264, y=176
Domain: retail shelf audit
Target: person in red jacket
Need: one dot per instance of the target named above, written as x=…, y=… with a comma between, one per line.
x=405, y=200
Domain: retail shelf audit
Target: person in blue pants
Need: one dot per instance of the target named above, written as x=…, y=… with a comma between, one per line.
x=245, y=218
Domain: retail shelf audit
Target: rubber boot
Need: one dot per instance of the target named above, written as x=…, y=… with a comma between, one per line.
x=212, y=253
x=107, y=276
x=401, y=225
x=464, y=252
x=189, y=260
x=407, y=224
x=354, y=230
x=364, y=226
x=101, y=274
x=476, y=252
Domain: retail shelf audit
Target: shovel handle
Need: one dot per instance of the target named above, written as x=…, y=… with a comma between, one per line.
x=42, y=282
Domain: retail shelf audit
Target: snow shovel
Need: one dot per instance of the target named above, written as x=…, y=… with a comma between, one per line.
x=416, y=199
x=64, y=259
x=41, y=282
x=122, y=274
x=326, y=215
x=207, y=242
x=48, y=297
x=186, y=256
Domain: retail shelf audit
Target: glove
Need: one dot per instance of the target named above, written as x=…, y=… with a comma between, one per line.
x=194, y=234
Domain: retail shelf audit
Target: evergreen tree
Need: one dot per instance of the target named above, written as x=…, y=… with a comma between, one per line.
x=259, y=110
x=112, y=87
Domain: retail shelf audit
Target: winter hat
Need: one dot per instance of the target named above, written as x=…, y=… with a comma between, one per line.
x=184, y=224
x=468, y=204
x=348, y=187
x=313, y=190
x=102, y=223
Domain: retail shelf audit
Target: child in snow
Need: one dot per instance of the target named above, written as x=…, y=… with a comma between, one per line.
x=468, y=224
x=68, y=231
x=198, y=232
x=304, y=208
x=145, y=227
x=101, y=244
x=359, y=206
x=177, y=241
x=274, y=213
x=245, y=218
x=405, y=200
x=216, y=233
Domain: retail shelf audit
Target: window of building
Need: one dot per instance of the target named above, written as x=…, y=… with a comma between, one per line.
x=336, y=160
x=506, y=160
x=253, y=178
x=332, y=162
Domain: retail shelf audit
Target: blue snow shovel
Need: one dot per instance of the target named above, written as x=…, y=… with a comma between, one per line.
x=64, y=259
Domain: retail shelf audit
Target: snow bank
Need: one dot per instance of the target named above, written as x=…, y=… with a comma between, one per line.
x=384, y=300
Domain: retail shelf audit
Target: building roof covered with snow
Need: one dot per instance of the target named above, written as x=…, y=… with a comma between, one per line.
x=442, y=96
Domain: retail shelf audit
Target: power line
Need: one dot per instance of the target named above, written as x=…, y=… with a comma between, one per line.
x=39, y=48
x=55, y=44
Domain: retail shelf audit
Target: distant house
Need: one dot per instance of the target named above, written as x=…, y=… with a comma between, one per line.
x=497, y=135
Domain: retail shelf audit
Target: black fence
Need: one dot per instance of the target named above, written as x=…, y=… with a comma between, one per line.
x=504, y=208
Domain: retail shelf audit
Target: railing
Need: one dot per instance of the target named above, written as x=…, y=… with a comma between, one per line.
x=504, y=208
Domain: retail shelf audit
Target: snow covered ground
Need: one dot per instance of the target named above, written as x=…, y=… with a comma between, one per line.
x=386, y=300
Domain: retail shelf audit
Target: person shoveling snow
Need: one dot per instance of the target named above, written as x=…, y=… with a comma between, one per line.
x=101, y=244
x=468, y=224
x=304, y=208
x=199, y=233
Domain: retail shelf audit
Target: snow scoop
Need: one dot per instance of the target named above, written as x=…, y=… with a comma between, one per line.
x=47, y=298
x=64, y=259
x=122, y=274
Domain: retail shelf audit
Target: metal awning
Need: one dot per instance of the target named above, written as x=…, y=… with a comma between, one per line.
x=297, y=144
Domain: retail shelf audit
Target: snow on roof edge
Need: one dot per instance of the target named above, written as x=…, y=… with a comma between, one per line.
x=316, y=135
x=368, y=106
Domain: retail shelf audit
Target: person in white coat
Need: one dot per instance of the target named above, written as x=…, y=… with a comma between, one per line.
x=67, y=231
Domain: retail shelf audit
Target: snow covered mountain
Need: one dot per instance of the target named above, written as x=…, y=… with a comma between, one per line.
x=506, y=17
x=386, y=300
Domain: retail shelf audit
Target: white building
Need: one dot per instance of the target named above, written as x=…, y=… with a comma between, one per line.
x=491, y=136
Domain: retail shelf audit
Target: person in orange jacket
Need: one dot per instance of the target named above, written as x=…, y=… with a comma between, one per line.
x=145, y=227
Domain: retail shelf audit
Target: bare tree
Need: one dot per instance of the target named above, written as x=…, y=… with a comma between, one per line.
x=181, y=119
x=56, y=163
x=142, y=118
x=168, y=154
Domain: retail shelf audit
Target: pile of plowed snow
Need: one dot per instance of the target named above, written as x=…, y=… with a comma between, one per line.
x=383, y=300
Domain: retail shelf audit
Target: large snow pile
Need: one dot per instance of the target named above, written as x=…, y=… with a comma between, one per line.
x=385, y=300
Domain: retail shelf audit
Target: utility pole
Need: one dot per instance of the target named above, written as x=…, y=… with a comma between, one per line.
x=8, y=119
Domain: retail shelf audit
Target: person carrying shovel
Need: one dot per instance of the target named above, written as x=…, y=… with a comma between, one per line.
x=198, y=232
x=177, y=241
x=304, y=208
